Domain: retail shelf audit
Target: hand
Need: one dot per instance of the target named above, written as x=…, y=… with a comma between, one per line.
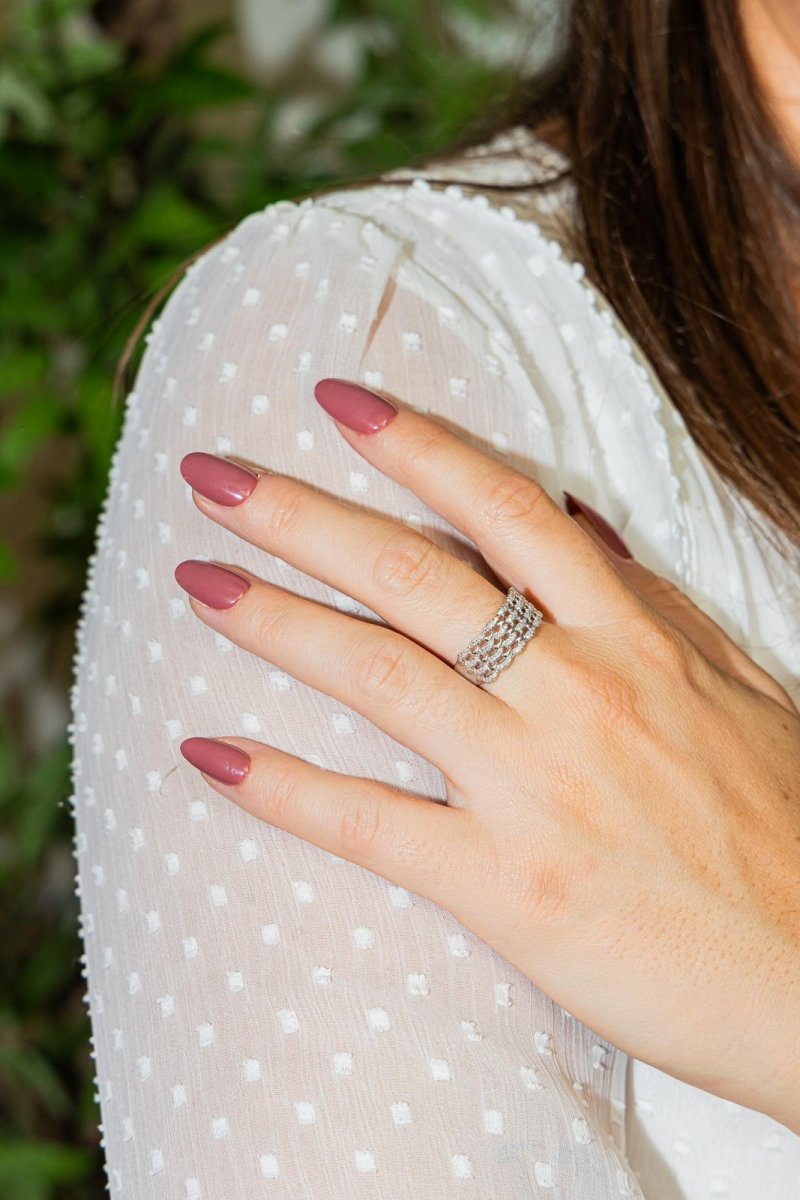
x=623, y=816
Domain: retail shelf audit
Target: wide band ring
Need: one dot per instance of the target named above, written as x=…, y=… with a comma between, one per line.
x=508, y=632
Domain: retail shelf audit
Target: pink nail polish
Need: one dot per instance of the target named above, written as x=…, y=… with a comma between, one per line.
x=609, y=536
x=226, y=764
x=355, y=406
x=212, y=585
x=218, y=479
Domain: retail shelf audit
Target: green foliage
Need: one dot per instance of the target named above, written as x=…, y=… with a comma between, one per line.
x=109, y=181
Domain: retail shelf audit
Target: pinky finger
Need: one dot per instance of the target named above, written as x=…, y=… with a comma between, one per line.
x=416, y=843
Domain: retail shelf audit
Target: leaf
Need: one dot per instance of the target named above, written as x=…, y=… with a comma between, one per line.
x=25, y=306
x=95, y=56
x=27, y=1168
x=21, y=367
x=98, y=416
x=47, y=782
x=9, y=563
x=202, y=37
x=10, y=764
x=166, y=218
x=24, y=1066
x=22, y=98
x=34, y=420
x=39, y=16
x=195, y=86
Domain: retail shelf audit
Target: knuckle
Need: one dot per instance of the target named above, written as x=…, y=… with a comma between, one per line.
x=360, y=822
x=664, y=590
x=602, y=692
x=280, y=794
x=420, y=446
x=614, y=699
x=286, y=508
x=536, y=885
x=406, y=562
x=663, y=645
x=547, y=889
x=385, y=673
x=508, y=497
x=268, y=619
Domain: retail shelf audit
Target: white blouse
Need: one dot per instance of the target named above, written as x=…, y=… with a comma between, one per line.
x=270, y=1020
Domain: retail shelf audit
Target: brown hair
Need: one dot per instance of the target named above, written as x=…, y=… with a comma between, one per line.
x=689, y=206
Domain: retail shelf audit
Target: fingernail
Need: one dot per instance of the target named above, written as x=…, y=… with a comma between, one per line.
x=226, y=764
x=210, y=584
x=355, y=406
x=218, y=479
x=609, y=536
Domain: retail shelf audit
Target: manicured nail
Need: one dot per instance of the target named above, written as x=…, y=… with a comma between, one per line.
x=355, y=406
x=210, y=584
x=609, y=536
x=218, y=479
x=226, y=764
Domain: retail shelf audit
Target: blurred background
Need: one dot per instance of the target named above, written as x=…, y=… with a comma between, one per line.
x=133, y=133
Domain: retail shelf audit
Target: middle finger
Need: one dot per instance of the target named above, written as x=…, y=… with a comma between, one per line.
x=386, y=677
x=431, y=595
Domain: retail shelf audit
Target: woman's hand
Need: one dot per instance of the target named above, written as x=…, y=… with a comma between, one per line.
x=623, y=817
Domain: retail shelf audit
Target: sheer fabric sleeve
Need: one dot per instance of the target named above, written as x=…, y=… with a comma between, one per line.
x=269, y=1019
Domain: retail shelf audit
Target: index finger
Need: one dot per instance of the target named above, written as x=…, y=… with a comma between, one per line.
x=524, y=536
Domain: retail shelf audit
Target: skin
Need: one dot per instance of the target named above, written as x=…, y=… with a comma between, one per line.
x=622, y=823
x=772, y=35
x=771, y=30
x=648, y=879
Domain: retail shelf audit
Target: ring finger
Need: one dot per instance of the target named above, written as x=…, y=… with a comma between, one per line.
x=396, y=684
x=416, y=586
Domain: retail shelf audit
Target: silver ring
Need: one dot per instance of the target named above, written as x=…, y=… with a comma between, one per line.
x=508, y=632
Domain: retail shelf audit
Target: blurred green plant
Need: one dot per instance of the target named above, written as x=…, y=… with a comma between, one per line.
x=108, y=182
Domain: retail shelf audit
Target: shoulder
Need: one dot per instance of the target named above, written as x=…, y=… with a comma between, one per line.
x=443, y=296
x=515, y=155
x=437, y=210
x=440, y=282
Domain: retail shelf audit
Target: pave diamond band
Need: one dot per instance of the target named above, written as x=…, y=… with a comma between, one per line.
x=508, y=632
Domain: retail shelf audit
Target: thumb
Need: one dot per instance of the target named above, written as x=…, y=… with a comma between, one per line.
x=673, y=604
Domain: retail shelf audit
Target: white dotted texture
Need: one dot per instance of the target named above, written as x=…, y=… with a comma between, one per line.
x=268, y=1019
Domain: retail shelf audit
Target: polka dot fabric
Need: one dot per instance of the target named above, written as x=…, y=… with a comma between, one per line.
x=269, y=1020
